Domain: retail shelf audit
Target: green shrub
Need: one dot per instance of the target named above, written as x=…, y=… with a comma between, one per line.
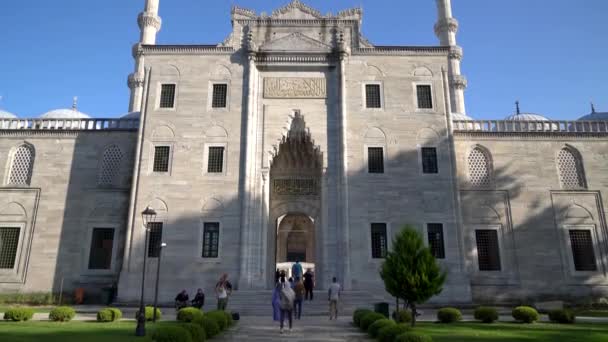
x=486, y=314
x=117, y=313
x=229, y=318
x=369, y=318
x=150, y=313
x=449, y=315
x=358, y=314
x=18, y=314
x=219, y=317
x=196, y=332
x=525, y=314
x=171, y=333
x=390, y=332
x=413, y=337
x=403, y=316
x=375, y=327
x=209, y=325
x=188, y=314
x=35, y=298
x=563, y=316
x=62, y=314
x=109, y=315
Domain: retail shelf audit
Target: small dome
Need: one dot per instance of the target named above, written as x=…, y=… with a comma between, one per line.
x=461, y=117
x=64, y=114
x=526, y=117
x=6, y=115
x=594, y=116
x=131, y=115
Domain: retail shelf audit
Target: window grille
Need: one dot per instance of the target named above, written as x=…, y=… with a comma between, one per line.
x=110, y=166
x=425, y=98
x=155, y=238
x=161, y=158
x=582, y=250
x=488, y=254
x=102, y=241
x=435, y=235
x=379, y=240
x=220, y=94
x=375, y=159
x=9, y=241
x=211, y=239
x=22, y=167
x=479, y=168
x=372, y=96
x=570, y=170
x=215, y=163
x=167, y=96
x=429, y=160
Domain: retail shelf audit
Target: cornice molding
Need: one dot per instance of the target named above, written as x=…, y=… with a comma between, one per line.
x=569, y=136
x=295, y=22
x=60, y=133
x=293, y=59
x=187, y=49
x=403, y=51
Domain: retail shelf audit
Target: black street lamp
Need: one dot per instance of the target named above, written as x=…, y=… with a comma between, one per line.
x=147, y=216
x=160, y=254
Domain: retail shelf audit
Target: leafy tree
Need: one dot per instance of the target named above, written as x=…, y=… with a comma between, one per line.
x=410, y=271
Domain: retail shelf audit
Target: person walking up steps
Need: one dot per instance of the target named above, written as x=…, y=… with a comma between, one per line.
x=299, y=290
x=333, y=296
x=309, y=283
x=223, y=289
x=287, y=299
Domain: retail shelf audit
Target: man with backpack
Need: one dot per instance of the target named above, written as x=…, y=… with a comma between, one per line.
x=287, y=297
x=298, y=288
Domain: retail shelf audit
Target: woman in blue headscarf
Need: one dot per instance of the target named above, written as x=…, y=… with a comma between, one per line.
x=276, y=301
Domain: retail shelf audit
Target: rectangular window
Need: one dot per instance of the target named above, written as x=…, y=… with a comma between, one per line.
x=161, y=158
x=379, y=240
x=372, y=96
x=375, y=159
x=220, y=94
x=582, y=250
x=167, y=96
x=435, y=235
x=488, y=254
x=215, y=163
x=9, y=241
x=100, y=256
x=429, y=160
x=211, y=239
x=155, y=238
x=425, y=98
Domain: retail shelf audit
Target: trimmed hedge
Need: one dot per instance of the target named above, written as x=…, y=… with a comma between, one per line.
x=209, y=325
x=229, y=318
x=150, y=313
x=403, y=316
x=171, y=333
x=358, y=314
x=188, y=314
x=525, y=314
x=369, y=318
x=109, y=315
x=375, y=327
x=62, y=314
x=563, y=316
x=196, y=332
x=34, y=298
x=413, y=337
x=390, y=332
x=449, y=315
x=486, y=314
x=219, y=317
x=18, y=314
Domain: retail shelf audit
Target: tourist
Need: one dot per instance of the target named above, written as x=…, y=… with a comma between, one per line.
x=199, y=299
x=299, y=290
x=277, y=275
x=296, y=270
x=290, y=282
x=181, y=300
x=308, y=283
x=333, y=295
x=276, y=302
x=287, y=297
x=223, y=290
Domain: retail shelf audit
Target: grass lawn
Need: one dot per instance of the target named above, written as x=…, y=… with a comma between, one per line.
x=71, y=332
x=514, y=332
x=592, y=313
x=43, y=309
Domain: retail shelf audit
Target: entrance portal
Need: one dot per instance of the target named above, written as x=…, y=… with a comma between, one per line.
x=295, y=242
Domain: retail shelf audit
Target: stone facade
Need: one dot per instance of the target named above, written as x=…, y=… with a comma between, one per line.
x=285, y=100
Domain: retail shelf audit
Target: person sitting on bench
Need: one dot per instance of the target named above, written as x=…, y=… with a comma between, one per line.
x=181, y=300
x=199, y=299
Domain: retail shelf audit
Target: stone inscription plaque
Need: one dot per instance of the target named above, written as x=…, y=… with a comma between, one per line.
x=295, y=88
x=295, y=187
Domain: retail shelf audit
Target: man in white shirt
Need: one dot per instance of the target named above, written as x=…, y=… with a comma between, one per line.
x=333, y=296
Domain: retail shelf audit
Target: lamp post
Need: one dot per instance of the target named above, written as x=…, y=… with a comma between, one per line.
x=147, y=216
x=160, y=254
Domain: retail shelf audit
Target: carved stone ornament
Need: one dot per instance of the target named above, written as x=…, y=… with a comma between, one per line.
x=296, y=42
x=295, y=87
x=294, y=187
x=443, y=25
x=137, y=50
x=455, y=52
x=146, y=19
x=135, y=81
x=459, y=82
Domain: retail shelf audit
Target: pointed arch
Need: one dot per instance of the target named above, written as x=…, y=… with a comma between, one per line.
x=109, y=168
x=479, y=165
x=422, y=71
x=570, y=169
x=21, y=165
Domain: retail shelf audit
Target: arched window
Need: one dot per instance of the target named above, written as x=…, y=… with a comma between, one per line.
x=570, y=169
x=480, y=168
x=22, y=166
x=110, y=166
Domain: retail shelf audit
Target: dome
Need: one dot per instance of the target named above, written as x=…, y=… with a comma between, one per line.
x=7, y=115
x=461, y=117
x=131, y=115
x=526, y=117
x=596, y=116
x=64, y=114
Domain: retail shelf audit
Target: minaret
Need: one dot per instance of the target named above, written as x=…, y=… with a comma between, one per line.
x=445, y=29
x=149, y=24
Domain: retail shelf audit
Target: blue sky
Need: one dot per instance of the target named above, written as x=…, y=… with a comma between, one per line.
x=551, y=55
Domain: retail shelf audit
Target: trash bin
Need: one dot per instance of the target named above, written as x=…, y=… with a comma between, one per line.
x=381, y=307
